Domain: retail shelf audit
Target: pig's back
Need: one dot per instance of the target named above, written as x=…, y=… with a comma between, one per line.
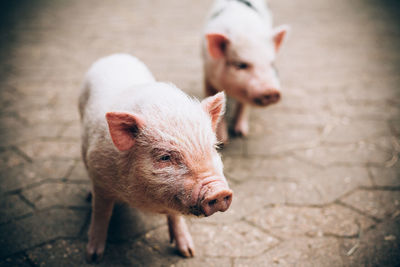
x=118, y=71
x=108, y=77
x=227, y=16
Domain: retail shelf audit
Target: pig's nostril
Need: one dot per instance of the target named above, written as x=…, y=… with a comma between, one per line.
x=258, y=101
x=269, y=98
x=227, y=198
x=212, y=202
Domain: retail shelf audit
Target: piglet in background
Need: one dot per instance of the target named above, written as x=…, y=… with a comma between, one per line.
x=148, y=144
x=239, y=50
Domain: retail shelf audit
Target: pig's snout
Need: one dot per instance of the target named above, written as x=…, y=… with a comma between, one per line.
x=218, y=200
x=269, y=97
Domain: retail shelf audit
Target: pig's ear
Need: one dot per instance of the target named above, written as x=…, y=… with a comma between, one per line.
x=215, y=106
x=216, y=44
x=123, y=127
x=278, y=35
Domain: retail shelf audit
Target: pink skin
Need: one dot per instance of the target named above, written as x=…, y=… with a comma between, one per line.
x=147, y=173
x=248, y=77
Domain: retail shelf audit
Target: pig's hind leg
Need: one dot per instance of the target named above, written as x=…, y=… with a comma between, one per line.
x=179, y=232
x=222, y=130
x=241, y=120
x=101, y=213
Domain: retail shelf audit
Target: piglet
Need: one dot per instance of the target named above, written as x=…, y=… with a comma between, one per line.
x=239, y=50
x=150, y=145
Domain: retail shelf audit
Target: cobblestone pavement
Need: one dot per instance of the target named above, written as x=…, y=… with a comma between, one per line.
x=316, y=183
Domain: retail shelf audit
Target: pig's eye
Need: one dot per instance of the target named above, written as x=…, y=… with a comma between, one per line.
x=165, y=157
x=241, y=65
x=218, y=146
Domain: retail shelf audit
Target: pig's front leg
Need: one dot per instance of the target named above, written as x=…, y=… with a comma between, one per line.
x=222, y=130
x=179, y=232
x=241, y=125
x=101, y=213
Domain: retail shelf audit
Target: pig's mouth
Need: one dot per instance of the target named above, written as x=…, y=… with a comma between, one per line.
x=196, y=211
x=266, y=100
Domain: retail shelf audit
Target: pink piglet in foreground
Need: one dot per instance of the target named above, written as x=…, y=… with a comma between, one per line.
x=150, y=145
x=239, y=49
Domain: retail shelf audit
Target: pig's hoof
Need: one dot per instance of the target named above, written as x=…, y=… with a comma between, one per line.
x=94, y=254
x=186, y=249
x=89, y=196
x=241, y=129
x=184, y=243
x=178, y=231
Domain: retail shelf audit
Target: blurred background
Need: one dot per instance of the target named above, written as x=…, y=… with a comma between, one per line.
x=317, y=181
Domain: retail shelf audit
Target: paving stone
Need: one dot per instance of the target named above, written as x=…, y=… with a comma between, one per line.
x=299, y=104
x=278, y=142
x=71, y=132
x=26, y=100
x=17, y=136
x=136, y=253
x=380, y=247
x=389, y=143
x=348, y=154
x=71, y=253
x=39, y=228
x=281, y=169
x=53, y=168
x=9, y=158
x=369, y=93
x=320, y=187
x=226, y=240
x=328, y=184
x=128, y=223
x=386, y=176
x=215, y=240
x=289, y=222
x=395, y=126
x=236, y=147
x=286, y=168
x=46, y=149
x=18, y=260
x=160, y=251
x=79, y=173
x=28, y=174
x=11, y=206
x=59, y=253
x=9, y=126
x=366, y=112
x=57, y=194
x=378, y=203
x=18, y=176
x=355, y=131
x=8, y=97
x=203, y=261
x=264, y=119
x=298, y=252
x=49, y=114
